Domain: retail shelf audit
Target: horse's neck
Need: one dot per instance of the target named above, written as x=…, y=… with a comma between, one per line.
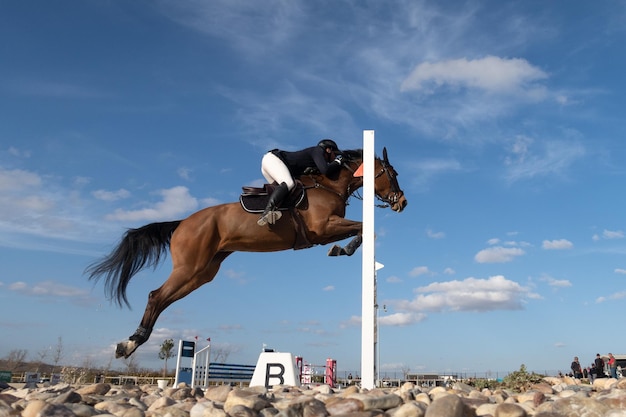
x=344, y=184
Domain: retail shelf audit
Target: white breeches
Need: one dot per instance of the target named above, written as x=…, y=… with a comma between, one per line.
x=275, y=170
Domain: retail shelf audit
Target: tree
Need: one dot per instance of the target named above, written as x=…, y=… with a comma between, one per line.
x=58, y=352
x=166, y=352
x=132, y=365
x=15, y=358
x=221, y=354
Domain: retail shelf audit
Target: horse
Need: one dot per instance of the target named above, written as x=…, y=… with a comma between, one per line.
x=200, y=243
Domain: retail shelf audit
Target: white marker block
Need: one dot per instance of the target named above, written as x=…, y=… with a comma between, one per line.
x=275, y=368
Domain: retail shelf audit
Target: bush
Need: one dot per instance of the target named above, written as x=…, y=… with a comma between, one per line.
x=521, y=380
x=482, y=383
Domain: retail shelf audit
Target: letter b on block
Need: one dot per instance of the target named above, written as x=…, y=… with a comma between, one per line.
x=275, y=368
x=279, y=370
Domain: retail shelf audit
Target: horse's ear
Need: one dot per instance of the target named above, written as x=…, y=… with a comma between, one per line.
x=385, y=155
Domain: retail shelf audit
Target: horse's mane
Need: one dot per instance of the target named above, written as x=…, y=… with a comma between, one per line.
x=353, y=154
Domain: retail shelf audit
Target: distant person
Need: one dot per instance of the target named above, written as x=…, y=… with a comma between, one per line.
x=612, y=363
x=281, y=167
x=576, y=369
x=592, y=372
x=599, y=363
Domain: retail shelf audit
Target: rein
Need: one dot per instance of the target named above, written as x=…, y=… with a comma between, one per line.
x=386, y=169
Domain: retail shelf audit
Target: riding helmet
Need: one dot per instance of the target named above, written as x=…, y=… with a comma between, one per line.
x=328, y=143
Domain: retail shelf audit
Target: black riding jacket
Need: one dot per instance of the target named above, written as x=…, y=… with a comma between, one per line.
x=313, y=157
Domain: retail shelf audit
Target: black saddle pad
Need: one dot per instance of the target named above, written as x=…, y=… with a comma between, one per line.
x=254, y=199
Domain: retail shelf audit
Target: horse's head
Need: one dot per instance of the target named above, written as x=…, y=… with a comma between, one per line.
x=386, y=185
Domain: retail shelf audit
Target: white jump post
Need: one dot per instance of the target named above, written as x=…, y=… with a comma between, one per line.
x=368, y=315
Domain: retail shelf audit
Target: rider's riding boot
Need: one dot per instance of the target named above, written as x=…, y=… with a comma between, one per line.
x=271, y=213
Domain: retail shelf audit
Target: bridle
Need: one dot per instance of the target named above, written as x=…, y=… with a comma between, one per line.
x=394, y=196
x=386, y=168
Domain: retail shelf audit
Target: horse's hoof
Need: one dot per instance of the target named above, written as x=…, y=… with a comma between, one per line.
x=125, y=349
x=336, y=250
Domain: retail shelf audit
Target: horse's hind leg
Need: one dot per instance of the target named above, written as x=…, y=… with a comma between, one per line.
x=180, y=283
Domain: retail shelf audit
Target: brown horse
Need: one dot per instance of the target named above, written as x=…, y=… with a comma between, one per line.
x=200, y=243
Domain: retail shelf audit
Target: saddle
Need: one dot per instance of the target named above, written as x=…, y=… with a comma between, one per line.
x=254, y=199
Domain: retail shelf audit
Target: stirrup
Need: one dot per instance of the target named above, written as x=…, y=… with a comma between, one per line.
x=270, y=217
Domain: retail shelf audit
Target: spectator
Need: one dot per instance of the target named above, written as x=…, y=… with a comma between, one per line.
x=612, y=366
x=576, y=369
x=599, y=363
x=592, y=373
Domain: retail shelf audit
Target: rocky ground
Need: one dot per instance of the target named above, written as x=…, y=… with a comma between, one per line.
x=551, y=397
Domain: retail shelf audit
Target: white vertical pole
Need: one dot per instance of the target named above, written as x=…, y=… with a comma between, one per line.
x=367, y=297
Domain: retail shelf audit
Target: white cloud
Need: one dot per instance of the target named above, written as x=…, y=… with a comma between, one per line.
x=557, y=244
x=209, y=201
x=449, y=271
x=620, y=271
x=111, y=195
x=608, y=235
x=176, y=202
x=612, y=234
x=184, y=173
x=329, y=288
x=498, y=254
x=393, y=280
x=401, y=319
x=490, y=74
x=17, y=179
x=560, y=283
x=471, y=294
x=20, y=153
x=493, y=241
x=52, y=290
x=351, y=322
x=419, y=270
x=548, y=158
x=615, y=296
x=435, y=235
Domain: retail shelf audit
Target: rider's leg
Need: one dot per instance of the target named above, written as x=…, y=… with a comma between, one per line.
x=275, y=170
x=271, y=214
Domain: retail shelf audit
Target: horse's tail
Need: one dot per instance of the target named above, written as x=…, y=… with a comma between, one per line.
x=137, y=249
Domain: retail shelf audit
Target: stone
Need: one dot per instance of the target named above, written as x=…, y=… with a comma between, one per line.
x=94, y=389
x=410, y=409
x=33, y=408
x=509, y=410
x=68, y=397
x=206, y=409
x=337, y=406
x=378, y=402
x=55, y=410
x=218, y=393
x=487, y=409
x=247, y=398
x=242, y=411
x=549, y=398
x=449, y=405
x=160, y=403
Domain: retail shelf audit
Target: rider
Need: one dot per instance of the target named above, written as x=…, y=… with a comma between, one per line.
x=281, y=167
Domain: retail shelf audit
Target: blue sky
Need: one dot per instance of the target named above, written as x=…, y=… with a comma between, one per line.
x=505, y=121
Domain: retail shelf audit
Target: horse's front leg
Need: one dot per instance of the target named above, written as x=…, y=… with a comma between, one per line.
x=349, y=249
x=338, y=228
